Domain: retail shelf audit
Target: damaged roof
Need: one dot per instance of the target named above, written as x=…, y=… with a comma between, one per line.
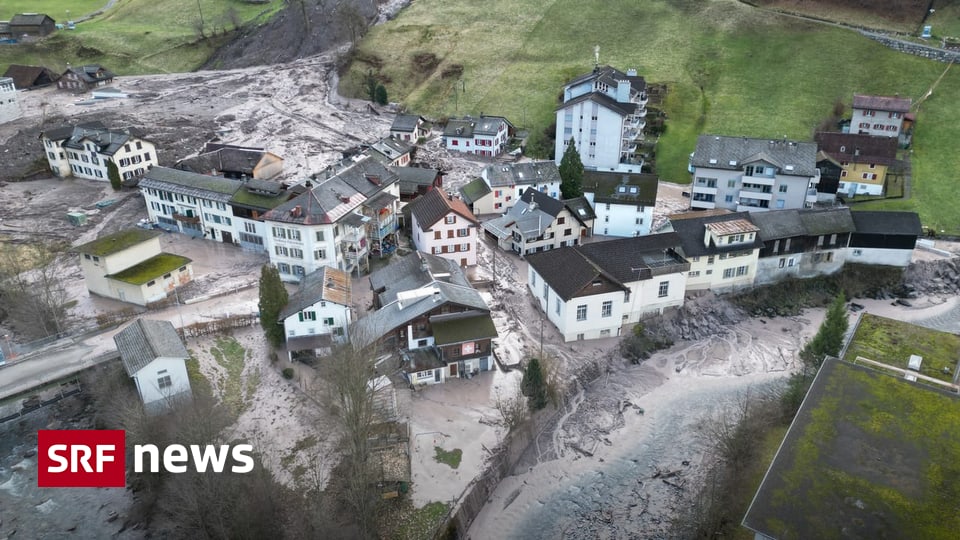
x=145, y=340
x=324, y=284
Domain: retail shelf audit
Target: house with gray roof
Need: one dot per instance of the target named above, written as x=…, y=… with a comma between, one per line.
x=753, y=175
x=80, y=79
x=484, y=136
x=390, y=151
x=409, y=128
x=802, y=243
x=623, y=202
x=415, y=181
x=428, y=311
x=721, y=246
x=864, y=161
x=508, y=181
x=444, y=226
x=318, y=315
x=476, y=194
x=32, y=25
x=348, y=213
x=194, y=204
x=538, y=222
x=28, y=77
x=884, y=238
x=604, y=114
x=83, y=151
x=590, y=291
x=232, y=161
x=154, y=356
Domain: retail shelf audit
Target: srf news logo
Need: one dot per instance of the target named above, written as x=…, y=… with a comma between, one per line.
x=97, y=458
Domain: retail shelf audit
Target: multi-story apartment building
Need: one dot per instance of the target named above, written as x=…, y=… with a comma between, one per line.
x=508, y=181
x=348, y=213
x=9, y=106
x=484, y=136
x=194, y=204
x=84, y=150
x=539, y=222
x=864, y=161
x=604, y=113
x=879, y=115
x=753, y=175
x=623, y=202
x=444, y=226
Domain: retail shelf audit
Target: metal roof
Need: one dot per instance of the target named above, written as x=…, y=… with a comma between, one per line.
x=144, y=340
x=734, y=153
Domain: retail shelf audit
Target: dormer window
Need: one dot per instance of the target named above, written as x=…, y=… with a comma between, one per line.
x=735, y=238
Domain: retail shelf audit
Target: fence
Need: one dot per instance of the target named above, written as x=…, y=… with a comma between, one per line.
x=219, y=325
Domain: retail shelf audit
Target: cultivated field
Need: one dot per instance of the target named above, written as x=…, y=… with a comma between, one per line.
x=134, y=36
x=731, y=68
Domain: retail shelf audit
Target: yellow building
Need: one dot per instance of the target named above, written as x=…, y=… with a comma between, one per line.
x=722, y=246
x=864, y=159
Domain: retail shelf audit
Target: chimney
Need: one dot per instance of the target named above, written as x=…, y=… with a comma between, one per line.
x=856, y=151
x=296, y=211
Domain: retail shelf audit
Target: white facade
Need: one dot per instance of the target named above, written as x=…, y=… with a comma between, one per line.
x=743, y=191
x=162, y=380
x=484, y=136
x=452, y=237
x=95, y=268
x=502, y=198
x=297, y=250
x=564, y=230
x=196, y=216
x=800, y=265
x=134, y=158
x=724, y=271
x=9, y=106
x=879, y=256
x=851, y=187
x=621, y=219
x=876, y=122
x=323, y=317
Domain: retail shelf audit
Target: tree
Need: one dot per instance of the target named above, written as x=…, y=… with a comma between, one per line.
x=571, y=172
x=534, y=385
x=381, y=95
x=829, y=338
x=273, y=297
x=32, y=295
x=370, y=83
x=113, y=173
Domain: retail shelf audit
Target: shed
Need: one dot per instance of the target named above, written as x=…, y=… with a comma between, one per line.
x=77, y=218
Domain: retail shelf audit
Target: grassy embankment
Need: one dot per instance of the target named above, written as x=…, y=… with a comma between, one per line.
x=731, y=69
x=135, y=36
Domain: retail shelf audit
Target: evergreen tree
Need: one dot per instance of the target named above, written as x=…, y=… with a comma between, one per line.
x=273, y=297
x=534, y=386
x=571, y=172
x=381, y=94
x=370, y=84
x=113, y=173
x=829, y=338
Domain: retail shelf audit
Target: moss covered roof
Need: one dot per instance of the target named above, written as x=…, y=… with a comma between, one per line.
x=869, y=455
x=892, y=342
x=117, y=242
x=151, y=268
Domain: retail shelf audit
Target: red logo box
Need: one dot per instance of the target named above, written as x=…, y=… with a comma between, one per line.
x=81, y=458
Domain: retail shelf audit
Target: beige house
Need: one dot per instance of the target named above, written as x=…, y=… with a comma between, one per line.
x=723, y=249
x=538, y=222
x=129, y=266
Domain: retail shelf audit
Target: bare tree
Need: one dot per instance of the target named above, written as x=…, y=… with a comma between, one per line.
x=512, y=408
x=31, y=286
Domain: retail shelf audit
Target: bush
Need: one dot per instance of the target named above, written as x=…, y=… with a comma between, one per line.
x=638, y=346
x=287, y=373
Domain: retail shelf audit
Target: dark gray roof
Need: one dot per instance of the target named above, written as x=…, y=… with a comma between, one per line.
x=637, y=188
x=380, y=201
x=878, y=222
x=581, y=209
x=226, y=159
x=778, y=224
x=406, y=122
x=108, y=142
x=604, y=101
x=413, y=178
x=391, y=148
x=413, y=272
x=458, y=128
x=91, y=73
x=569, y=270
x=733, y=153
x=63, y=133
x=531, y=215
x=342, y=189
x=325, y=283
x=29, y=76
x=692, y=232
x=435, y=205
x=144, y=340
x=520, y=174
x=474, y=190
x=469, y=126
x=214, y=188
x=856, y=148
x=29, y=19
x=610, y=76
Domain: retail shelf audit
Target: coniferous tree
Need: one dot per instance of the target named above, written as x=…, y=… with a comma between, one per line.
x=381, y=94
x=829, y=338
x=571, y=172
x=534, y=386
x=273, y=297
x=113, y=173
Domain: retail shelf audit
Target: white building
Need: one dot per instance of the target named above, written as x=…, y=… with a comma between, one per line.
x=538, y=222
x=9, y=106
x=604, y=113
x=155, y=358
x=623, y=202
x=317, y=316
x=883, y=238
x=409, y=128
x=194, y=204
x=349, y=213
x=508, y=181
x=802, y=243
x=445, y=227
x=753, y=175
x=591, y=291
x=722, y=248
x=84, y=150
x=485, y=136
x=879, y=115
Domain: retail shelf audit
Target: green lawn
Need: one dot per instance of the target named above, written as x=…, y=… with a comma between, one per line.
x=451, y=458
x=945, y=20
x=761, y=74
x=136, y=36
x=59, y=10
x=892, y=342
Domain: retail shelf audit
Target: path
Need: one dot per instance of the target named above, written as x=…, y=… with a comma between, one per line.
x=100, y=11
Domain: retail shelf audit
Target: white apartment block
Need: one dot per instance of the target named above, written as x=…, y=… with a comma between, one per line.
x=9, y=106
x=194, y=204
x=623, y=202
x=84, y=150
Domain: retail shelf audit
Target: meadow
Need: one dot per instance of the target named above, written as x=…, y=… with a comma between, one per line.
x=731, y=69
x=135, y=36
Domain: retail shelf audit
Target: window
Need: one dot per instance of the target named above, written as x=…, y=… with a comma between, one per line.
x=319, y=236
x=557, y=306
x=450, y=219
x=664, y=289
x=561, y=220
x=463, y=232
x=582, y=312
x=693, y=273
x=728, y=198
x=249, y=227
x=464, y=247
x=450, y=234
x=783, y=188
x=857, y=252
x=579, y=337
x=164, y=381
x=606, y=309
x=735, y=238
x=299, y=270
x=308, y=316
x=783, y=262
x=281, y=251
x=728, y=273
x=731, y=183
x=437, y=235
x=296, y=253
x=742, y=270
x=546, y=290
x=284, y=268
x=710, y=259
x=780, y=204
x=833, y=239
x=328, y=321
x=319, y=254
x=843, y=174
x=151, y=283
x=708, y=272
x=791, y=261
x=533, y=278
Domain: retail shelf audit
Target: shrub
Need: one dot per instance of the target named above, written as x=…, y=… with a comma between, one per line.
x=287, y=373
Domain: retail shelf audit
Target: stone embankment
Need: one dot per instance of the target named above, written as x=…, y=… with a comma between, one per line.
x=916, y=49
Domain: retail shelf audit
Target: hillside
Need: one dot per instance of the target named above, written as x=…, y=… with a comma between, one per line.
x=731, y=68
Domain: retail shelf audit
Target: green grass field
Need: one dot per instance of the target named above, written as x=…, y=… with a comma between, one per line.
x=761, y=74
x=59, y=10
x=135, y=36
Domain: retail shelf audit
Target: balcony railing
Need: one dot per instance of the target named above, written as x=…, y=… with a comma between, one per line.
x=186, y=219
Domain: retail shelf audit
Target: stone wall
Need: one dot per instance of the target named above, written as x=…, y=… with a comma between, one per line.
x=917, y=49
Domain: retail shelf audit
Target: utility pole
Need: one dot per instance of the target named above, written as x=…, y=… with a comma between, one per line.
x=541, y=336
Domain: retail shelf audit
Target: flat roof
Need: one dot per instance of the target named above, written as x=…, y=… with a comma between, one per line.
x=117, y=242
x=152, y=268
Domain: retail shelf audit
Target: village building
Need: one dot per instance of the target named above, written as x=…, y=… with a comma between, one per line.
x=591, y=291
x=193, y=204
x=722, y=248
x=427, y=310
x=30, y=77
x=881, y=116
x=623, y=202
x=250, y=203
x=485, y=136
x=444, y=226
x=538, y=222
x=802, y=243
x=231, y=161
x=410, y=128
x=864, y=161
x=9, y=105
x=884, y=238
x=477, y=195
x=753, y=175
x=389, y=151
x=31, y=25
x=84, y=150
x=131, y=267
x=154, y=356
x=604, y=113
x=84, y=78
x=508, y=181
x=416, y=181
x=317, y=316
